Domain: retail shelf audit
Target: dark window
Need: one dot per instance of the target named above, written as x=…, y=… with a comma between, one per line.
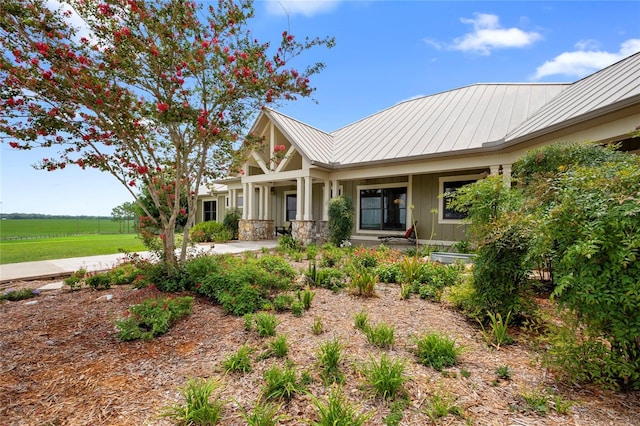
x=292, y=207
x=448, y=188
x=383, y=209
x=209, y=210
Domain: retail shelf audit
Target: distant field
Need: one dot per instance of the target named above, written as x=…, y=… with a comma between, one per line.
x=17, y=251
x=47, y=228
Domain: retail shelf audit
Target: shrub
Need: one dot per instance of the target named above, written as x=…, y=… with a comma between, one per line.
x=126, y=273
x=265, y=324
x=264, y=413
x=198, y=408
x=297, y=308
x=288, y=243
x=329, y=354
x=361, y=321
x=340, y=220
x=282, y=302
x=279, y=347
x=231, y=222
x=331, y=255
x=337, y=411
x=281, y=382
x=363, y=283
x=277, y=265
x=436, y=350
x=99, y=281
x=382, y=335
x=331, y=278
x=243, y=300
x=210, y=231
x=239, y=362
x=76, y=279
x=153, y=317
x=15, y=295
x=389, y=273
x=386, y=377
x=305, y=297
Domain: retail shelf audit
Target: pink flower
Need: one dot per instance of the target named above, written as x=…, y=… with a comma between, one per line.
x=162, y=106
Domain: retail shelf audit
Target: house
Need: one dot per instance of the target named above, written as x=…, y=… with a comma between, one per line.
x=396, y=163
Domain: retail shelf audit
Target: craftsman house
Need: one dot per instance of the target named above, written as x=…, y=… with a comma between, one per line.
x=395, y=164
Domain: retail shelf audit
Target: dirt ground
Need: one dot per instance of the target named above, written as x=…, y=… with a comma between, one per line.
x=62, y=364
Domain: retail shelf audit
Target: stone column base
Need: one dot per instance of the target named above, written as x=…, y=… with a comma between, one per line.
x=255, y=230
x=303, y=231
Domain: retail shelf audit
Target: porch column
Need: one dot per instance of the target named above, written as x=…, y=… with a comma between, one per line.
x=506, y=174
x=267, y=201
x=260, y=202
x=299, y=194
x=307, y=198
x=494, y=170
x=325, y=200
x=245, y=209
x=334, y=188
x=248, y=200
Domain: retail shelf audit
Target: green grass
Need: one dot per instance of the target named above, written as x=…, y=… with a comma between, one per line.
x=47, y=228
x=17, y=251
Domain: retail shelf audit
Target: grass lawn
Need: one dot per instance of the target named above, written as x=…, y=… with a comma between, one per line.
x=17, y=251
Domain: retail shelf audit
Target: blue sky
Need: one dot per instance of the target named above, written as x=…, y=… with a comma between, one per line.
x=386, y=52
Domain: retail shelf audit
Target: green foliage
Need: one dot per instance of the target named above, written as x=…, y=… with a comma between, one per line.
x=297, y=308
x=210, y=231
x=329, y=355
x=436, y=350
x=76, y=279
x=532, y=400
x=153, y=317
x=441, y=404
x=265, y=324
x=337, y=411
x=14, y=295
x=305, y=297
x=386, y=377
x=282, y=302
x=281, y=382
x=239, y=362
x=198, y=408
x=99, y=281
x=128, y=272
x=498, y=333
x=381, y=335
x=263, y=413
x=279, y=346
x=279, y=266
x=247, y=320
x=288, y=243
x=340, y=220
x=231, y=222
x=317, y=326
x=363, y=283
x=389, y=273
x=396, y=411
x=331, y=255
x=361, y=321
x=331, y=278
x=503, y=372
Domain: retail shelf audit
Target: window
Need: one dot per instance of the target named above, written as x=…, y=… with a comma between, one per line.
x=448, y=186
x=208, y=210
x=290, y=206
x=383, y=208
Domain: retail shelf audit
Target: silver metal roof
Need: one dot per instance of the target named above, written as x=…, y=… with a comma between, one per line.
x=613, y=86
x=466, y=118
x=456, y=120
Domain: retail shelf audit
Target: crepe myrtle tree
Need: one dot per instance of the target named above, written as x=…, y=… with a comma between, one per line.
x=143, y=90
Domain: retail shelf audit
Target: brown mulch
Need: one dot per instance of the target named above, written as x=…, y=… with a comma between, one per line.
x=62, y=364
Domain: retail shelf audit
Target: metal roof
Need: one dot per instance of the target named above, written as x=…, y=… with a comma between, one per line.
x=312, y=143
x=464, y=119
x=456, y=120
x=614, y=86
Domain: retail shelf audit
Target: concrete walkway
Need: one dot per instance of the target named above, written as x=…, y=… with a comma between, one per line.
x=54, y=268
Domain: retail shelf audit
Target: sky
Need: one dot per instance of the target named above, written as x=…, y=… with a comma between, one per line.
x=386, y=52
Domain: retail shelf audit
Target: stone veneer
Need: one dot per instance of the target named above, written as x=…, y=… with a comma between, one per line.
x=255, y=230
x=303, y=231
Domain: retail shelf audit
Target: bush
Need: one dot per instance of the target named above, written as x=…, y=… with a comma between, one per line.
x=239, y=362
x=281, y=383
x=390, y=273
x=209, y=232
x=386, y=377
x=277, y=265
x=15, y=295
x=99, y=281
x=330, y=278
x=340, y=220
x=363, y=283
x=198, y=408
x=436, y=350
x=231, y=221
x=153, y=317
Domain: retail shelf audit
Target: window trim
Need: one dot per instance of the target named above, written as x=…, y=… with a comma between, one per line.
x=215, y=211
x=381, y=186
x=441, y=182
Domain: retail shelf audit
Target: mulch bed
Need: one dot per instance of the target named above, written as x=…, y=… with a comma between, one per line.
x=62, y=364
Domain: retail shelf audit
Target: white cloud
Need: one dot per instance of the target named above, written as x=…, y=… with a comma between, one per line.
x=301, y=7
x=582, y=62
x=489, y=35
